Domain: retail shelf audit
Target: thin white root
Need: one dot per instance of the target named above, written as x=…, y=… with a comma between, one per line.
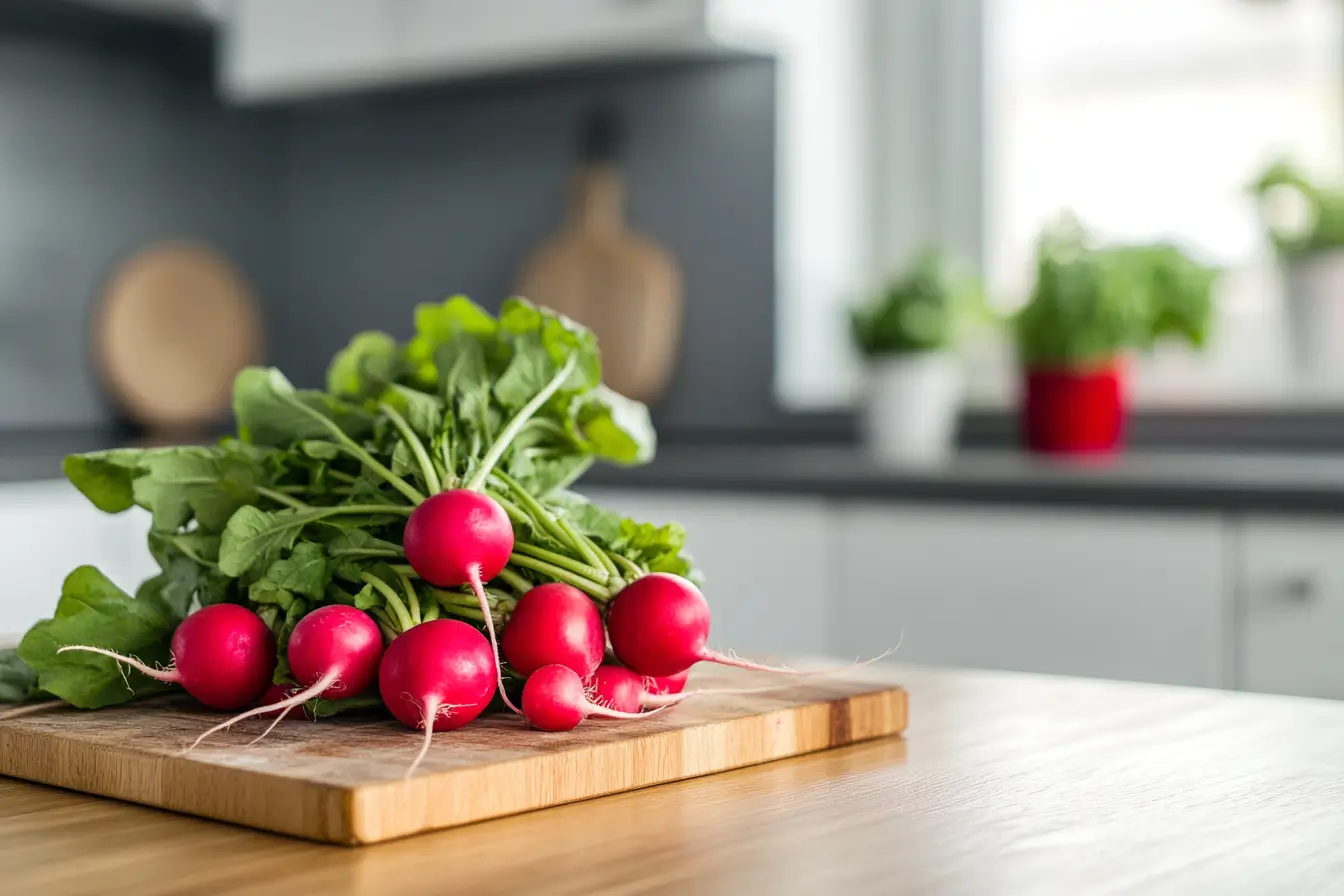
x=29, y=709
x=598, y=711
x=271, y=727
x=170, y=676
x=650, y=700
x=479, y=587
x=431, y=715
x=731, y=659
x=301, y=697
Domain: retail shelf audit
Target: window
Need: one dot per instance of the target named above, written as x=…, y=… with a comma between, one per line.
x=1150, y=118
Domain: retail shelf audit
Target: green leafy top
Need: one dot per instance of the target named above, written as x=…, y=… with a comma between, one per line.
x=1301, y=215
x=920, y=311
x=1091, y=303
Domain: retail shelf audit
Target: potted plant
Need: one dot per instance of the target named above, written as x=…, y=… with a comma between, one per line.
x=1089, y=308
x=906, y=333
x=1305, y=222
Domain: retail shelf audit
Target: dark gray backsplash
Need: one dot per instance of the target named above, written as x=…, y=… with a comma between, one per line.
x=101, y=153
x=345, y=214
x=393, y=201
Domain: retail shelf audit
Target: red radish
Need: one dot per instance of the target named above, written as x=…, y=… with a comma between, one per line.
x=616, y=687
x=554, y=700
x=461, y=537
x=659, y=626
x=437, y=676
x=666, y=684
x=223, y=655
x=333, y=652
x=554, y=623
x=619, y=688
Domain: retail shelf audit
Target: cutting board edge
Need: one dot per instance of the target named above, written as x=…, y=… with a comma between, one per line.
x=352, y=815
x=154, y=780
x=880, y=713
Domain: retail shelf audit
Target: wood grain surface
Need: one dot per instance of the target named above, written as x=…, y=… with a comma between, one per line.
x=342, y=780
x=1004, y=784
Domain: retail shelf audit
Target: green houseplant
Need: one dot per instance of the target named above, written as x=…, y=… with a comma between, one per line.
x=1304, y=220
x=1091, y=305
x=906, y=334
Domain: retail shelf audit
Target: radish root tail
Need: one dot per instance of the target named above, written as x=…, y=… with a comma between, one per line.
x=29, y=709
x=171, y=676
x=431, y=714
x=731, y=659
x=301, y=697
x=479, y=587
x=271, y=727
x=598, y=711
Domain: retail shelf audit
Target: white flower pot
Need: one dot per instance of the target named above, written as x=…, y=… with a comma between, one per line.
x=910, y=407
x=1315, y=297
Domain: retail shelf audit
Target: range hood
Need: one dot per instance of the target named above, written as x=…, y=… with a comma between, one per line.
x=288, y=49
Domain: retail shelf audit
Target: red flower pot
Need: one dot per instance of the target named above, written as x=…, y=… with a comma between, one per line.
x=1074, y=411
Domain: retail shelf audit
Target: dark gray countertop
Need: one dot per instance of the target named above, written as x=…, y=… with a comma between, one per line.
x=1286, y=483
x=1171, y=481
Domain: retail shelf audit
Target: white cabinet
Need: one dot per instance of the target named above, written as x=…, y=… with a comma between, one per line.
x=47, y=529
x=1292, y=607
x=768, y=575
x=287, y=48
x=1109, y=595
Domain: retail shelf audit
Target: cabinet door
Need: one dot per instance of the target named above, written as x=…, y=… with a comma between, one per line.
x=1292, y=599
x=1121, y=596
x=766, y=561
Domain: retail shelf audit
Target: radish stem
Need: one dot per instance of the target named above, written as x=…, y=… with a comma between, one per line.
x=585, y=585
x=510, y=431
x=539, y=514
x=519, y=584
x=595, y=573
x=417, y=447
x=403, y=615
x=410, y=597
x=352, y=448
x=281, y=498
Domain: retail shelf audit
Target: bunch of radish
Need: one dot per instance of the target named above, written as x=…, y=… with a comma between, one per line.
x=441, y=675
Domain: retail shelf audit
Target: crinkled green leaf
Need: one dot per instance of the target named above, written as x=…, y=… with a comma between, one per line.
x=270, y=411
x=18, y=681
x=264, y=591
x=93, y=611
x=614, y=427
x=365, y=367
x=305, y=571
x=588, y=518
x=106, y=477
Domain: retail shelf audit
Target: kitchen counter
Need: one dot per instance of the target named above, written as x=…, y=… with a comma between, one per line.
x=1288, y=483
x=1004, y=784
x=1219, y=482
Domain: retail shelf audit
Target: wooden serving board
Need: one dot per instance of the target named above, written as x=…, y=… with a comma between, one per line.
x=342, y=780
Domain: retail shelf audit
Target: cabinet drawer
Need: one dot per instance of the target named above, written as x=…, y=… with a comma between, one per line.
x=1125, y=596
x=766, y=561
x=1292, y=602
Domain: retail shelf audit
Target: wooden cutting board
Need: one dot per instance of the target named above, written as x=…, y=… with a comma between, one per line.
x=341, y=780
x=621, y=285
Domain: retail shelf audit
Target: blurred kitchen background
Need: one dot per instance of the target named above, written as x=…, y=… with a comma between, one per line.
x=1014, y=328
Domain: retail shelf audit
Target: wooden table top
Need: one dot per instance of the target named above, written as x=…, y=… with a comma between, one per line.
x=1004, y=784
